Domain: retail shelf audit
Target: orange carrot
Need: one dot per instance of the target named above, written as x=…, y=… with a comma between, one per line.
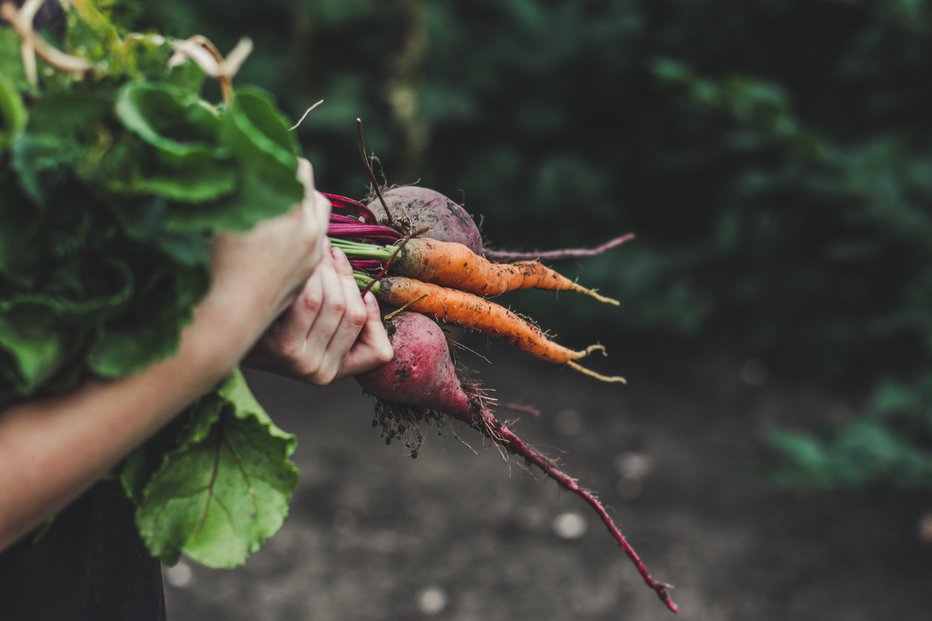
x=471, y=311
x=454, y=265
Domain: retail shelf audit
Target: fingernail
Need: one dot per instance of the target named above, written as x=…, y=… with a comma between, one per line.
x=339, y=256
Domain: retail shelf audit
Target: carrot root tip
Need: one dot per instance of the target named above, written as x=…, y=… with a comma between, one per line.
x=612, y=379
x=601, y=298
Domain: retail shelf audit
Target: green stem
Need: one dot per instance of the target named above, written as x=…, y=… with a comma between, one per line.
x=364, y=280
x=362, y=250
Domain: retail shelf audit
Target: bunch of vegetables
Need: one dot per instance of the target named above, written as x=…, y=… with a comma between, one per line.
x=115, y=175
x=437, y=272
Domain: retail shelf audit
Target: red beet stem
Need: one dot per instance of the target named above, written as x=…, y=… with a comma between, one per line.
x=490, y=426
x=352, y=205
x=366, y=265
x=510, y=256
x=360, y=231
x=524, y=409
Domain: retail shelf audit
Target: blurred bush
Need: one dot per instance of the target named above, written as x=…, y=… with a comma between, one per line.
x=773, y=156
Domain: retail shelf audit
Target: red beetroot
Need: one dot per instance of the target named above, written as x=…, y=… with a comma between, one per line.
x=413, y=207
x=422, y=374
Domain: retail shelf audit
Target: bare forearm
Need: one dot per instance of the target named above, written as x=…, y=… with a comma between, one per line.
x=53, y=449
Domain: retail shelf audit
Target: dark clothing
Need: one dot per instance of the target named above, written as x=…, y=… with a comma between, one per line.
x=89, y=565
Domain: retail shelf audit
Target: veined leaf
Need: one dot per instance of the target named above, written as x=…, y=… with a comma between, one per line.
x=257, y=106
x=257, y=135
x=185, y=163
x=202, y=178
x=169, y=118
x=225, y=489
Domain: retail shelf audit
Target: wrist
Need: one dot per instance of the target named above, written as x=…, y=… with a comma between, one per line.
x=229, y=321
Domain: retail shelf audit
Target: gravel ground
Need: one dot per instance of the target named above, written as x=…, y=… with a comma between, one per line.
x=459, y=535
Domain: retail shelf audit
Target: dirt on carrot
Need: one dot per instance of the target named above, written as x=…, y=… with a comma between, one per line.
x=454, y=265
x=471, y=311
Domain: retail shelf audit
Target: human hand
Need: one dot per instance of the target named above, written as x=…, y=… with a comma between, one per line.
x=329, y=332
x=258, y=273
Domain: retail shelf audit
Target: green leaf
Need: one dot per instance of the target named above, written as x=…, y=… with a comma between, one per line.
x=196, y=182
x=89, y=289
x=169, y=118
x=152, y=332
x=258, y=137
x=18, y=228
x=75, y=116
x=11, y=62
x=145, y=223
x=34, y=347
x=137, y=469
x=188, y=165
x=13, y=115
x=43, y=163
x=257, y=107
x=225, y=489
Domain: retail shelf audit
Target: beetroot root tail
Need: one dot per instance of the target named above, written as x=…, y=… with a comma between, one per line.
x=505, y=437
x=510, y=256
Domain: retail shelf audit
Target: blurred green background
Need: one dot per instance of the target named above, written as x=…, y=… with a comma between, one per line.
x=774, y=158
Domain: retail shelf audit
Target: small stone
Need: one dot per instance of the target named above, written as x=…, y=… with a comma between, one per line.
x=569, y=525
x=632, y=465
x=180, y=576
x=432, y=601
x=925, y=528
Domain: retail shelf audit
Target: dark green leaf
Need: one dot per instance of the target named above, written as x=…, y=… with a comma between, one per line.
x=152, y=331
x=225, y=488
x=44, y=164
x=33, y=345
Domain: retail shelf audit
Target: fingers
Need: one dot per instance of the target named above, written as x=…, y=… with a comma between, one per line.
x=339, y=320
x=373, y=348
x=374, y=334
x=355, y=314
x=329, y=331
x=292, y=328
x=316, y=206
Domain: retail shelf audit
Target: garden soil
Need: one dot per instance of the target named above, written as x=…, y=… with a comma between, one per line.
x=459, y=534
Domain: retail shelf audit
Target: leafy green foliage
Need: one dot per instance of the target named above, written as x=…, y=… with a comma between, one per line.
x=113, y=186
x=888, y=445
x=226, y=485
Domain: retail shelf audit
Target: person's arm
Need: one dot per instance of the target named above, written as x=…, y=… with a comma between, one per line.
x=53, y=449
